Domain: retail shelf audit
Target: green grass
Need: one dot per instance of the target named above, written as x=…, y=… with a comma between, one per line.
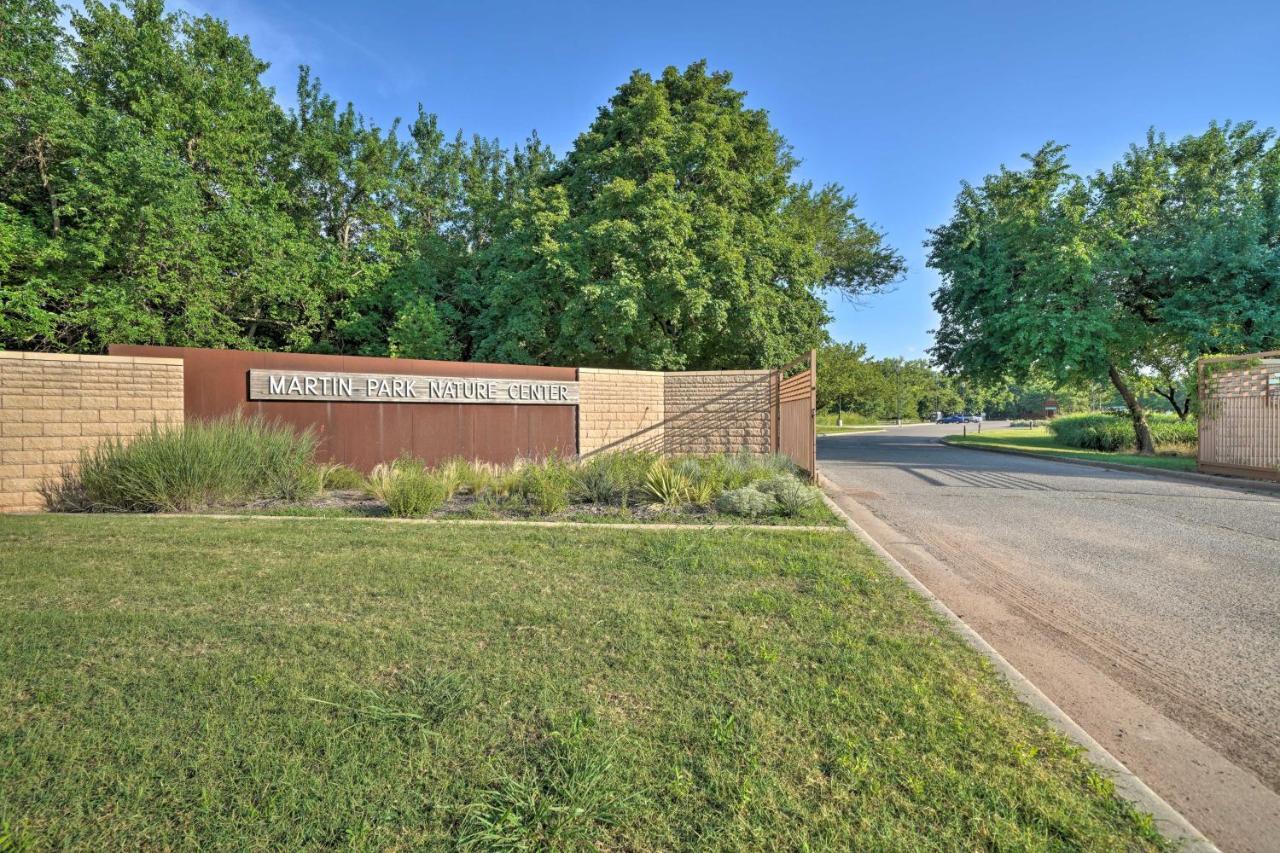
x=1038, y=440
x=231, y=684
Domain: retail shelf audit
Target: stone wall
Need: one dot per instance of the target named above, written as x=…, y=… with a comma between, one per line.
x=693, y=412
x=714, y=411
x=52, y=406
x=619, y=410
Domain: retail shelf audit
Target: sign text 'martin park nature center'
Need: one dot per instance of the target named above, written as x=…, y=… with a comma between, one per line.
x=396, y=388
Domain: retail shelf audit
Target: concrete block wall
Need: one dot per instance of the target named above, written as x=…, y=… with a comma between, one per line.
x=619, y=410
x=52, y=406
x=690, y=412
x=1250, y=380
x=716, y=411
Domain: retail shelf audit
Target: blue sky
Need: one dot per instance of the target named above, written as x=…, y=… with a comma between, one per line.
x=898, y=102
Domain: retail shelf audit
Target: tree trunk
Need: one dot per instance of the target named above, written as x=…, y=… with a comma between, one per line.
x=1172, y=396
x=1141, y=429
x=45, y=182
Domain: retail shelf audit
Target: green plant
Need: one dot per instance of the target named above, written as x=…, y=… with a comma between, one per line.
x=407, y=488
x=601, y=481
x=1110, y=433
x=335, y=475
x=545, y=485
x=666, y=486
x=414, y=492
x=792, y=496
x=477, y=476
x=201, y=463
x=456, y=474
x=747, y=501
x=300, y=484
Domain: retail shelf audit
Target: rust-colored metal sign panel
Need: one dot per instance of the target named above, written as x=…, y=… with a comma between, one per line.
x=400, y=388
x=364, y=432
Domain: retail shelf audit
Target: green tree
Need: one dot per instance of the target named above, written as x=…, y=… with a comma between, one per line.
x=1172, y=254
x=673, y=236
x=847, y=380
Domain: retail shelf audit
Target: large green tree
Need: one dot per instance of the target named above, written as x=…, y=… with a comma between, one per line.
x=153, y=190
x=673, y=236
x=1173, y=253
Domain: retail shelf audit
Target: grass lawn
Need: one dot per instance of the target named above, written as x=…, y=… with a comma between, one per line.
x=228, y=684
x=1038, y=440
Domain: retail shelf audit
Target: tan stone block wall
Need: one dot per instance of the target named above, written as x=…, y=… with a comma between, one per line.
x=54, y=405
x=711, y=412
x=1255, y=380
x=619, y=410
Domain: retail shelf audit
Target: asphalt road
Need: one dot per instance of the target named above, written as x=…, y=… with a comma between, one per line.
x=1148, y=609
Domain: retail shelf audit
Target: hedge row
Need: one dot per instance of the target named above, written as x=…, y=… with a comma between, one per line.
x=1115, y=432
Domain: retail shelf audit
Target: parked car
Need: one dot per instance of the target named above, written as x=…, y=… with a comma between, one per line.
x=952, y=419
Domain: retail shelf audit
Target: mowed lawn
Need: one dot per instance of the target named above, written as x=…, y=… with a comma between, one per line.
x=1038, y=440
x=228, y=684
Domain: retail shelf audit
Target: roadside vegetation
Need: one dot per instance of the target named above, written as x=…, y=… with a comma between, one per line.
x=405, y=239
x=1113, y=433
x=262, y=684
x=248, y=464
x=1125, y=276
x=1173, y=456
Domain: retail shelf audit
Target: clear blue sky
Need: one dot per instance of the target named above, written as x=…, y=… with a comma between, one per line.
x=898, y=102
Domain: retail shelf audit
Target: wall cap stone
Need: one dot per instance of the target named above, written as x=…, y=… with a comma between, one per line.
x=86, y=358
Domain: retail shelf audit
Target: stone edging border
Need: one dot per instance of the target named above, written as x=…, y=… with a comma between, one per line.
x=1127, y=784
x=1255, y=486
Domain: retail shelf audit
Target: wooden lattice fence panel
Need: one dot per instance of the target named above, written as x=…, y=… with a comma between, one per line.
x=1240, y=415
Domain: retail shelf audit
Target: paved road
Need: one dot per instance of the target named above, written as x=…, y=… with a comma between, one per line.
x=1148, y=609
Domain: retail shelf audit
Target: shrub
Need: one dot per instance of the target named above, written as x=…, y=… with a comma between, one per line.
x=793, y=496
x=666, y=486
x=1110, y=433
x=615, y=478
x=747, y=501
x=545, y=485
x=407, y=488
x=302, y=483
x=600, y=480
x=199, y=464
x=334, y=475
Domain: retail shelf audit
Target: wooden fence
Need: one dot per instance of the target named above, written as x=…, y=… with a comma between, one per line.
x=796, y=432
x=1240, y=415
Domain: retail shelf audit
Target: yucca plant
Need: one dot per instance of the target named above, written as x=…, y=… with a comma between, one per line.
x=665, y=486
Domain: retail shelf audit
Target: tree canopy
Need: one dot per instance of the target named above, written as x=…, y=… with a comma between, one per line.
x=154, y=190
x=1123, y=276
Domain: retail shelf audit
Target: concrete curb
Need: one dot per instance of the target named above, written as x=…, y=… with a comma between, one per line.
x=453, y=522
x=1255, y=486
x=1168, y=819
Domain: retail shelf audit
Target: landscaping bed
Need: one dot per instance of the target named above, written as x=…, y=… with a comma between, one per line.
x=230, y=684
x=357, y=503
x=255, y=467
